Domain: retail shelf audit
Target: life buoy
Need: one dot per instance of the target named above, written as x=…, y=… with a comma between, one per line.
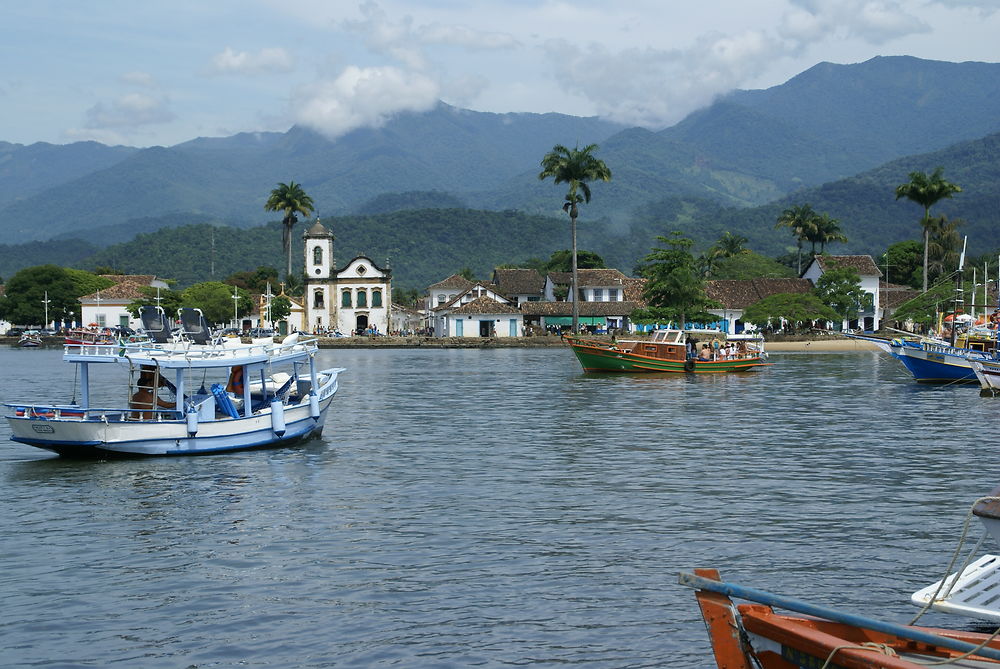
x=689, y=365
x=235, y=384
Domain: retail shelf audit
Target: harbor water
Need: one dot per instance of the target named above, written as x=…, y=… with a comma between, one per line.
x=491, y=508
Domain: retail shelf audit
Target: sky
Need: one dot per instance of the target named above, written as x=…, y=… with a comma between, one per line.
x=161, y=73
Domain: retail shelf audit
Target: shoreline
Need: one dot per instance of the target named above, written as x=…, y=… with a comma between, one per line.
x=793, y=344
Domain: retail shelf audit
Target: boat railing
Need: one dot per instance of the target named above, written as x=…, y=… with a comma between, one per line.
x=945, y=349
x=187, y=351
x=77, y=413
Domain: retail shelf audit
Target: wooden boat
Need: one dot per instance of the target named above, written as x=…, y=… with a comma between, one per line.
x=671, y=351
x=754, y=636
x=92, y=334
x=988, y=374
x=185, y=396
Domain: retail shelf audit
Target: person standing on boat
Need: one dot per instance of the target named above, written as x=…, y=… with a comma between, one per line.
x=146, y=396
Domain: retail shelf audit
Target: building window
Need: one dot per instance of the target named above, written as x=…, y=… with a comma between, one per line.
x=102, y=320
x=441, y=299
x=612, y=295
x=345, y=298
x=362, y=299
x=318, y=255
x=598, y=295
x=376, y=298
x=318, y=299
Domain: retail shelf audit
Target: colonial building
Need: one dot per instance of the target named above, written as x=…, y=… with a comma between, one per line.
x=735, y=295
x=864, y=265
x=520, y=285
x=484, y=317
x=355, y=298
x=444, y=324
x=108, y=307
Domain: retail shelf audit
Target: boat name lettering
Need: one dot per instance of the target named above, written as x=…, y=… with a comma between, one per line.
x=937, y=357
x=42, y=428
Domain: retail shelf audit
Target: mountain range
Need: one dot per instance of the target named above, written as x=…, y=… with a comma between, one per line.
x=837, y=136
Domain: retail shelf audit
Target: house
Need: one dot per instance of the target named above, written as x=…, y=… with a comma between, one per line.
x=520, y=285
x=595, y=316
x=484, y=316
x=441, y=321
x=864, y=265
x=735, y=295
x=617, y=294
x=108, y=307
x=405, y=320
x=443, y=292
x=596, y=285
x=354, y=298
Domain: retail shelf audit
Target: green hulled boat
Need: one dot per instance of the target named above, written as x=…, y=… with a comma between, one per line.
x=673, y=351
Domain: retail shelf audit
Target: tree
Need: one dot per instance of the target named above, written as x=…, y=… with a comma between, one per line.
x=801, y=220
x=791, y=307
x=825, y=230
x=575, y=167
x=289, y=199
x=467, y=274
x=729, y=245
x=255, y=280
x=926, y=190
x=749, y=265
x=562, y=261
x=674, y=284
x=281, y=308
x=904, y=263
x=943, y=245
x=26, y=291
x=840, y=289
x=215, y=299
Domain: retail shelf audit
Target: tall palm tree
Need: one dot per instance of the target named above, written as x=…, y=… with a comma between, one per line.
x=801, y=220
x=944, y=243
x=575, y=167
x=825, y=231
x=291, y=200
x=926, y=190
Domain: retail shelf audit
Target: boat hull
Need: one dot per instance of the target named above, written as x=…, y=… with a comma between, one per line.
x=935, y=363
x=988, y=375
x=597, y=358
x=109, y=434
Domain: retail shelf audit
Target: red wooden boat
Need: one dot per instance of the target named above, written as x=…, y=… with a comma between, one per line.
x=754, y=636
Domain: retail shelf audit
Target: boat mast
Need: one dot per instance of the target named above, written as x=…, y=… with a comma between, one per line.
x=959, y=299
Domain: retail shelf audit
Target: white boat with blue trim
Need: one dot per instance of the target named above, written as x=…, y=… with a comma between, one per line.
x=183, y=396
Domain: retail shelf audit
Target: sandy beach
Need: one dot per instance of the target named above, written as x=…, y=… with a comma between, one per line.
x=825, y=344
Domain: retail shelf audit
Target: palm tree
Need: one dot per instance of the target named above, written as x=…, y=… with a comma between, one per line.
x=575, y=167
x=943, y=244
x=290, y=199
x=729, y=245
x=801, y=220
x=926, y=190
x=826, y=230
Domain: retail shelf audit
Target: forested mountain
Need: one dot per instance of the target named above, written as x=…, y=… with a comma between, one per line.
x=27, y=170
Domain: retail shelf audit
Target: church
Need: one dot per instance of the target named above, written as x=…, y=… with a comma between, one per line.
x=356, y=298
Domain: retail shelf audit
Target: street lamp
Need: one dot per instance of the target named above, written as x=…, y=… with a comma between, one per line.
x=236, y=307
x=46, y=303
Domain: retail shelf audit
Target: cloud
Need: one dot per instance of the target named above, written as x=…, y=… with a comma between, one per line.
x=129, y=111
x=143, y=79
x=872, y=21
x=363, y=97
x=266, y=61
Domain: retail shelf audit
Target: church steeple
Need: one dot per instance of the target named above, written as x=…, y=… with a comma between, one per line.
x=319, y=251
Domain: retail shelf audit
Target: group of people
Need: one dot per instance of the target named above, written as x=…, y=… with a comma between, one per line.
x=716, y=350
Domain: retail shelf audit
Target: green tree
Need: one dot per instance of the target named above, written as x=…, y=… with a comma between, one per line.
x=255, y=280
x=944, y=245
x=215, y=299
x=281, y=308
x=825, y=230
x=801, y=220
x=674, y=283
x=904, y=260
x=562, y=261
x=467, y=274
x=289, y=199
x=575, y=167
x=926, y=190
x=23, y=302
x=750, y=265
x=169, y=300
x=840, y=289
x=729, y=245
x=794, y=308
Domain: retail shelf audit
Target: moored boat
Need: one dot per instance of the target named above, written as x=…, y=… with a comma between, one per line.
x=988, y=374
x=186, y=396
x=755, y=636
x=672, y=351
x=931, y=361
x=30, y=339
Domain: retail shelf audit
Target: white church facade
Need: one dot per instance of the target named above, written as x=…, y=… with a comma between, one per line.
x=356, y=298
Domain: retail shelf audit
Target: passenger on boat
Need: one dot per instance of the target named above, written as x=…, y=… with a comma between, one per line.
x=235, y=384
x=143, y=399
x=706, y=353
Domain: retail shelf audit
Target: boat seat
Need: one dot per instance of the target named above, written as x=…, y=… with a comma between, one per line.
x=154, y=322
x=194, y=326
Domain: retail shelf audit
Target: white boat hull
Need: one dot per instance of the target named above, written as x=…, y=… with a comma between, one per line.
x=988, y=374
x=111, y=433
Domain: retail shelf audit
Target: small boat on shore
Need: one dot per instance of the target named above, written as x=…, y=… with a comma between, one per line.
x=755, y=636
x=672, y=351
x=30, y=339
x=186, y=395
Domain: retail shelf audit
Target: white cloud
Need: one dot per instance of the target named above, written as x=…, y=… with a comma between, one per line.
x=872, y=21
x=362, y=97
x=129, y=111
x=144, y=79
x=266, y=61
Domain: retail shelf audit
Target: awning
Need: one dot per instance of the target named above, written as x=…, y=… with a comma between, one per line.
x=582, y=320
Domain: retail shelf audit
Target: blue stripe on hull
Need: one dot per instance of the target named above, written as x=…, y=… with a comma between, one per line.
x=932, y=371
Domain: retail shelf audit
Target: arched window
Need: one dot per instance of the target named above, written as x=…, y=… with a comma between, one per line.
x=345, y=298
x=318, y=255
x=362, y=299
x=318, y=299
x=376, y=298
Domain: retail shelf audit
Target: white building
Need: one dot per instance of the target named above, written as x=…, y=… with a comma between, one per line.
x=108, y=307
x=870, y=275
x=352, y=299
x=484, y=317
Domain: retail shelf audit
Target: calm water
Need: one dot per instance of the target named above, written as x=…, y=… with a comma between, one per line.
x=490, y=508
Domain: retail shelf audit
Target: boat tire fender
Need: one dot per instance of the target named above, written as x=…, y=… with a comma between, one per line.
x=192, y=422
x=689, y=365
x=314, y=405
x=278, y=417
